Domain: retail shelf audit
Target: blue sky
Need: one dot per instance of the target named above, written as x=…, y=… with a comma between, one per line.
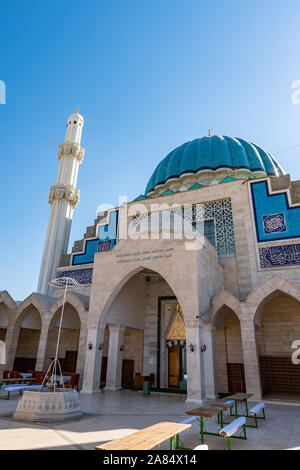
x=147, y=75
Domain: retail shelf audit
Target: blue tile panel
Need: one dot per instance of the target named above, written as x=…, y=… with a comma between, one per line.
x=279, y=256
x=274, y=218
x=83, y=276
x=107, y=233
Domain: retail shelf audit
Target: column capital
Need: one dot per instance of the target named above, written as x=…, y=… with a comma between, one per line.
x=70, y=149
x=116, y=328
x=193, y=323
x=64, y=191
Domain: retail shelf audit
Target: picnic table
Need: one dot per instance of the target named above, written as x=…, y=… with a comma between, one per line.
x=206, y=412
x=148, y=438
x=239, y=398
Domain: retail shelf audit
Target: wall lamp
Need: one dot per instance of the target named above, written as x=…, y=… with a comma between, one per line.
x=203, y=348
x=90, y=346
x=100, y=347
x=192, y=349
x=122, y=347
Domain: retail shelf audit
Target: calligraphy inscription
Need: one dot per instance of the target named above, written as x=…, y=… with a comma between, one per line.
x=277, y=256
x=274, y=223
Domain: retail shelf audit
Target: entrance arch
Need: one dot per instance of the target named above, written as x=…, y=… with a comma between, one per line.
x=278, y=326
x=230, y=374
x=134, y=342
x=69, y=339
x=192, y=277
x=28, y=330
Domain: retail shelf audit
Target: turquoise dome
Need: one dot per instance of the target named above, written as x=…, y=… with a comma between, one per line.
x=214, y=153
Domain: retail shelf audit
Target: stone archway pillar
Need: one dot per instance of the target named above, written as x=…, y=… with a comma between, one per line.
x=251, y=363
x=41, y=354
x=11, y=343
x=209, y=360
x=93, y=360
x=82, y=345
x=115, y=357
x=195, y=362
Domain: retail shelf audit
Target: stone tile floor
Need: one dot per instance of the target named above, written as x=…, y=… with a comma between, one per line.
x=110, y=415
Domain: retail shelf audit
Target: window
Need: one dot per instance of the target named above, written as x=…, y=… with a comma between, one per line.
x=207, y=228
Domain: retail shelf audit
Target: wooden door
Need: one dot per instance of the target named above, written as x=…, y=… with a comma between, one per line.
x=127, y=373
x=23, y=364
x=174, y=367
x=70, y=361
x=103, y=371
x=236, y=378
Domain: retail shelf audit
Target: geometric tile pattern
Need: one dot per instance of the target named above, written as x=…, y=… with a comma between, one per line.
x=219, y=211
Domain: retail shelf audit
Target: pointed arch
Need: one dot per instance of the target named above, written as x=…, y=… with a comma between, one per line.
x=34, y=300
x=7, y=299
x=78, y=301
x=267, y=290
x=225, y=299
x=111, y=294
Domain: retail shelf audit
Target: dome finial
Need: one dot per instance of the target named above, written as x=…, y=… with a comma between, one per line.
x=209, y=133
x=77, y=109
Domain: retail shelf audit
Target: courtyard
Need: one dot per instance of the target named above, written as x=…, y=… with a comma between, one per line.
x=111, y=415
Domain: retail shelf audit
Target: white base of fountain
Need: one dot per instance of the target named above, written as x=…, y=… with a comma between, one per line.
x=60, y=405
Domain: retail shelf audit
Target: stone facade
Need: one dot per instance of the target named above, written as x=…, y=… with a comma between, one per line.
x=239, y=291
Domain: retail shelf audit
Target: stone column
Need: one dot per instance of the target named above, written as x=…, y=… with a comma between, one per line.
x=11, y=343
x=8, y=342
x=251, y=363
x=195, y=362
x=82, y=345
x=93, y=360
x=41, y=354
x=115, y=357
x=209, y=360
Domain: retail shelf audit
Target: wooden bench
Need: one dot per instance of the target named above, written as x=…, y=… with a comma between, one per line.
x=232, y=428
x=148, y=438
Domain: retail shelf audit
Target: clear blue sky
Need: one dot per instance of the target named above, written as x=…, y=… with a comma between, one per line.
x=147, y=75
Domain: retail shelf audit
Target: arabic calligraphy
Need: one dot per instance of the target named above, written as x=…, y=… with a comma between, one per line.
x=283, y=255
x=274, y=223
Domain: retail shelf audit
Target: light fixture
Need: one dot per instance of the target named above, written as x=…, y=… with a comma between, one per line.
x=90, y=346
x=203, y=347
x=122, y=347
x=192, y=349
x=100, y=347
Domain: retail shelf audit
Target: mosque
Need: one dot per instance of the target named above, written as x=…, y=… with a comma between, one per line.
x=195, y=284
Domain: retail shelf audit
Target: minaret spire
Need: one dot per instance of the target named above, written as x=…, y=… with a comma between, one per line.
x=64, y=198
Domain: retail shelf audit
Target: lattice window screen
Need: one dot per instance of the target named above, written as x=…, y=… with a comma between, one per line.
x=219, y=211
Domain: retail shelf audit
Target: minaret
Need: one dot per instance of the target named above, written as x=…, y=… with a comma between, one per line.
x=64, y=198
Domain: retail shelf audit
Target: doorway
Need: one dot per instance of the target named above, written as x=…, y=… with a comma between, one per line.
x=175, y=366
